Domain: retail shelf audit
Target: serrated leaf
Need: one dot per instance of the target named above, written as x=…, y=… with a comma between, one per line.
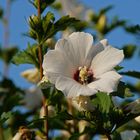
x=47, y=21
x=60, y=25
x=135, y=74
x=105, y=102
x=129, y=50
x=28, y=56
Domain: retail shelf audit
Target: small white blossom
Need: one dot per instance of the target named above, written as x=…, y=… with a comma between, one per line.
x=129, y=134
x=31, y=75
x=33, y=98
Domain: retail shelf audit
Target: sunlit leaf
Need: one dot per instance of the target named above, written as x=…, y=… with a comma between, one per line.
x=28, y=56
x=5, y=116
x=129, y=50
x=104, y=101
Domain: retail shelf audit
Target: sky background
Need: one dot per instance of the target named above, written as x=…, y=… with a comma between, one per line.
x=22, y=9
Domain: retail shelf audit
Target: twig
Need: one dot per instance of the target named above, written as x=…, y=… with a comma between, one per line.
x=41, y=75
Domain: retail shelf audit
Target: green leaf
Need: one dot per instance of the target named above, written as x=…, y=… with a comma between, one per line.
x=64, y=22
x=60, y=25
x=47, y=21
x=137, y=137
x=105, y=10
x=5, y=116
x=133, y=29
x=104, y=101
x=122, y=91
x=28, y=56
x=129, y=50
x=64, y=115
x=10, y=95
x=135, y=74
x=8, y=53
x=117, y=68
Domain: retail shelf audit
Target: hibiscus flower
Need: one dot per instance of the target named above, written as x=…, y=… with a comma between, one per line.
x=78, y=68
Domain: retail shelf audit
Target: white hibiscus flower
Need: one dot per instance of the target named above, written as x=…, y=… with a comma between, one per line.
x=79, y=69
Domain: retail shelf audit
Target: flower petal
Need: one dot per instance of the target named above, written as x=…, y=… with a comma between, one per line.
x=55, y=63
x=99, y=47
x=106, y=60
x=77, y=47
x=107, y=82
x=71, y=88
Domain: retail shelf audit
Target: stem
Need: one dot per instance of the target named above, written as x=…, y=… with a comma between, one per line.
x=1, y=134
x=108, y=136
x=41, y=75
x=71, y=111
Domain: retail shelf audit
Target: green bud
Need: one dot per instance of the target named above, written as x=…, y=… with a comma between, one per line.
x=32, y=34
x=101, y=23
x=34, y=21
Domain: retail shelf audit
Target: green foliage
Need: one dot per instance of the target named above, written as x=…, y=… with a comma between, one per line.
x=104, y=102
x=106, y=119
x=102, y=24
x=42, y=29
x=5, y=116
x=7, y=54
x=135, y=74
x=122, y=91
x=43, y=3
x=117, y=68
x=133, y=29
x=28, y=56
x=10, y=95
x=129, y=50
x=137, y=137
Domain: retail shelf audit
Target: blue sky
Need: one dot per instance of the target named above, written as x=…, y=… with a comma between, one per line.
x=20, y=11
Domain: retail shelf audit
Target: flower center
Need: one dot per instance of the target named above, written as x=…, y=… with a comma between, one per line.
x=83, y=75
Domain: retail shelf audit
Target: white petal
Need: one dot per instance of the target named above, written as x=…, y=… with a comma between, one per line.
x=56, y=62
x=71, y=88
x=106, y=60
x=99, y=47
x=77, y=47
x=107, y=82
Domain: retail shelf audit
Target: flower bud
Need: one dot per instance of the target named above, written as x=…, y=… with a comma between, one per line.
x=83, y=103
x=101, y=23
x=34, y=21
x=31, y=75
